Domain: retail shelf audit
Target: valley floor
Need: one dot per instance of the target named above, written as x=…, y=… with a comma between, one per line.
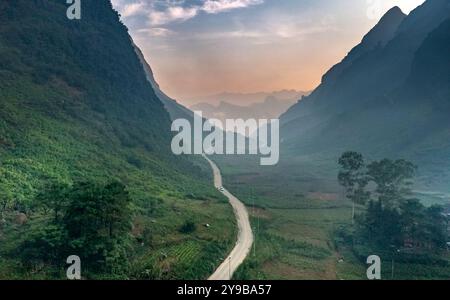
x=295, y=220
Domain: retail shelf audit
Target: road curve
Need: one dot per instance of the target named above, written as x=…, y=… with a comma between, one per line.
x=245, y=235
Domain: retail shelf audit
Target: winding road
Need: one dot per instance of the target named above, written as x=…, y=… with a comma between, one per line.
x=245, y=235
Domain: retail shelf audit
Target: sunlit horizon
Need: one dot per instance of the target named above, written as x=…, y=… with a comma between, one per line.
x=199, y=48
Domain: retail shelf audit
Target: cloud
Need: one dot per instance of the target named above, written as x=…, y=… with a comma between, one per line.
x=272, y=29
x=156, y=31
x=217, y=6
x=181, y=13
x=172, y=14
x=233, y=34
x=132, y=9
x=162, y=12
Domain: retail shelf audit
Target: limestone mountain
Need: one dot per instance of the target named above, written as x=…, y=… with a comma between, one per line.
x=388, y=97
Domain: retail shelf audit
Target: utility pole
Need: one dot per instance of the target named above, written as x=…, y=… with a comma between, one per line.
x=353, y=211
x=229, y=267
x=254, y=213
x=396, y=252
x=392, y=269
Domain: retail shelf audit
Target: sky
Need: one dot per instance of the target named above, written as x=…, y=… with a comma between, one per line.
x=205, y=47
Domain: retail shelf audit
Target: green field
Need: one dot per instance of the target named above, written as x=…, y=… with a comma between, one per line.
x=295, y=218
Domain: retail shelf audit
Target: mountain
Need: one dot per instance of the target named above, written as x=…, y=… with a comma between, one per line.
x=270, y=108
x=379, y=36
x=175, y=109
x=76, y=106
x=387, y=98
x=430, y=69
x=70, y=88
x=245, y=99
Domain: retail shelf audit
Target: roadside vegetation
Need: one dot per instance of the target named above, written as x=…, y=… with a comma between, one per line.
x=115, y=236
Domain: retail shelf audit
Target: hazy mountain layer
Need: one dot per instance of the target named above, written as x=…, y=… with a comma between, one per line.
x=270, y=108
x=245, y=99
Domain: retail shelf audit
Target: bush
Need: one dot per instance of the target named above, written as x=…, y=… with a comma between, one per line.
x=188, y=227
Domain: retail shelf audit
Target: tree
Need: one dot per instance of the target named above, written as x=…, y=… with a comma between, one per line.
x=391, y=220
x=413, y=212
x=383, y=221
x=352, y=177
x=393, y=180
x=423, y=228
x=435, y=227
x=117, y=208
x=188, y=227
x=54, y=197
x=98, y=220
x=381, y=226
x=90, y=220
x=44, y=244
x=5, y=200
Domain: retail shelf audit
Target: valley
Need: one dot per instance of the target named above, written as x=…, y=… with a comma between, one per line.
x=97, y=161
x=296, y=233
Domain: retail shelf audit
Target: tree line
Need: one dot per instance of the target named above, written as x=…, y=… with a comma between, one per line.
x=392, y=220
x=90, y=220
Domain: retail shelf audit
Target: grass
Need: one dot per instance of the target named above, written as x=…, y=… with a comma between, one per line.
x=293, y=244
x=295, y=218
x=174, y=255
x=160, y=251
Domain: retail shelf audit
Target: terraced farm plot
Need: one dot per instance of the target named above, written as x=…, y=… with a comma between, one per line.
x=185, y=253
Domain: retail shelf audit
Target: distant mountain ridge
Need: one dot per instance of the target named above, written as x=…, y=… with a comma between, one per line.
x=270, y=108
x=246, y=99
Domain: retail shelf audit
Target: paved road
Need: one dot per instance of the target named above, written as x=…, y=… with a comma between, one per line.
x=245, y=236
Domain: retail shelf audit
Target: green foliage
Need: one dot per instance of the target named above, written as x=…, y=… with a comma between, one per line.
x=5, y=200
x=392, y=221
x=424, y=228
x=188, y=227
x=75, y=104
x=381, y=226
x=393, y=180
x=95, y=225
x=54, y=197
x=45, y=244
x=353, y=178
x=97, y=221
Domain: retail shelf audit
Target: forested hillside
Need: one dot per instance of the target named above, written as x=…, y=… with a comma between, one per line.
x=77, y=115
